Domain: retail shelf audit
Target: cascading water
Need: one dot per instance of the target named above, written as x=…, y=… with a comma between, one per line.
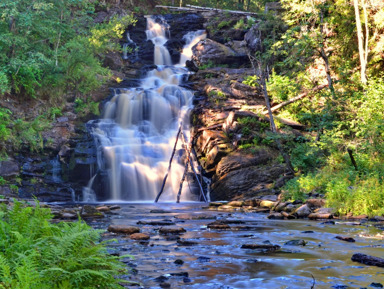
x=140, y=124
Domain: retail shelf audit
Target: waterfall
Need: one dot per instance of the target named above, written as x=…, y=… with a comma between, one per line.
x=137, y=134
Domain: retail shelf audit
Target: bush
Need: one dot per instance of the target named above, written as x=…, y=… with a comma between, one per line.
x=37, y=254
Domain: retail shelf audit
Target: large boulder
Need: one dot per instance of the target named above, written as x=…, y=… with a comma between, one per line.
x=209, y=51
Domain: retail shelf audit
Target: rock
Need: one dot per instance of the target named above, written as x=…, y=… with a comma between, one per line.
x=115, y=207
x=303, y=211
x=203, y=259
x=376, y=285
x=250, y=202
x=324, y=211
x=295, y=243
x=4, y=201
x=159, y=211
x=276, y=216
x=218, y=225
x=68, y=216
x=368, y=260
x=90, y=212
x=9, y=168
x=272, y=198
x=226, y=208
x=347, y=239
x=267, y=204
x=315, y=203
x=171, y=230
x=179, y=262
x=210, y=51
x=263, y=247
x=103, y=209
x=217, y=204
x=123, y=229
x=165, y=285
x=252, y=38
x=308, y=232
x=289, y=208
x=236, y=204
x=157, y=223
x=183, y=242
x=316, y=216
x=280, y=206
x=139, y=236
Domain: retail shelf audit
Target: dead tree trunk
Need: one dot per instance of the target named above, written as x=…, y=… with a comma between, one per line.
x=169, y=166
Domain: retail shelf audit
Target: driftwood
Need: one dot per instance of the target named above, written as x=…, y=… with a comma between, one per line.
x=368, y=260
x=169, y=166
x=300, y=96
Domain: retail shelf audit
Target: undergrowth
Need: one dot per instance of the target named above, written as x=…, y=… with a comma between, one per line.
x=36, y=254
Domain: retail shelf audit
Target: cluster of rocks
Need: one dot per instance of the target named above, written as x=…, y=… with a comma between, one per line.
x=312, y=208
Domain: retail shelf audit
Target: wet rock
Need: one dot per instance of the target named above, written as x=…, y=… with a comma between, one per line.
x=103, y=209
x=179, y=262
x=139, y=236
x=376, y=285
x=187, y=280
x=328, y=223
x=195, y=217
x=172, y=238
x=338, y=286
x=123, y=229
x=159, y=211
x=90, y=212
x=280, y=206
x=262, y=247
x=346, y=239
x=218, y=225
x=276, y=216
x=165, y=285
x=217, y=204
x=183, y=242
x=289, y=208
x=316, y=216
x=114, y=207
x=162, y=278
x=236, y=204
x=180, y=274
x=295, y=243
x=171, y=230
x=157, y=223
x=308, y=232
x=368, y=260
x=203, y=259
x=65, y=215
x=303, y=211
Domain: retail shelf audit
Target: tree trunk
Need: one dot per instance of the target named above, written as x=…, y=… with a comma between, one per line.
x=360, y=38
x=272, y=122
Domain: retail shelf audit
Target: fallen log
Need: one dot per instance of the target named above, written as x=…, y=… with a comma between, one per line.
x=368, y=260
x=300, y=96
x=223, y=10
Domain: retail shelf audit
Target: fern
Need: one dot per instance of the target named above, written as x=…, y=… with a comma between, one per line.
x=35, y=254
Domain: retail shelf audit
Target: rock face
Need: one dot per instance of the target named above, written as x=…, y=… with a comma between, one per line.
x=210, y=51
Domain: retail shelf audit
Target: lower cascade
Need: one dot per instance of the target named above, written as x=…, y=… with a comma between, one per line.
x=136, y=136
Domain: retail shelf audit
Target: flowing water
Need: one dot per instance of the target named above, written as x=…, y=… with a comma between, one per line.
x=137, y=134
x=215, y=259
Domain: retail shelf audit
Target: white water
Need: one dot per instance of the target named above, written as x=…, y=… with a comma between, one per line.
x=138, y=131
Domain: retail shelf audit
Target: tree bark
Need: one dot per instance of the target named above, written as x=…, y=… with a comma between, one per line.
x=273, y=126
x=360, y=38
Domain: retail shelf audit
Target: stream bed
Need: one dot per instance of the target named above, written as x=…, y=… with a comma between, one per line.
x=203, y=257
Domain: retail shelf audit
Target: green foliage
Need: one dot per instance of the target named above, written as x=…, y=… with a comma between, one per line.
x=37, y=254
x=2, y=181
x=252, y=80
x=85, y=107
x=281, y=87
x=5, y=120
x=223, y=24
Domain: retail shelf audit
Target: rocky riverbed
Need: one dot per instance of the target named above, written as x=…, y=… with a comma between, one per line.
x=191, y=245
